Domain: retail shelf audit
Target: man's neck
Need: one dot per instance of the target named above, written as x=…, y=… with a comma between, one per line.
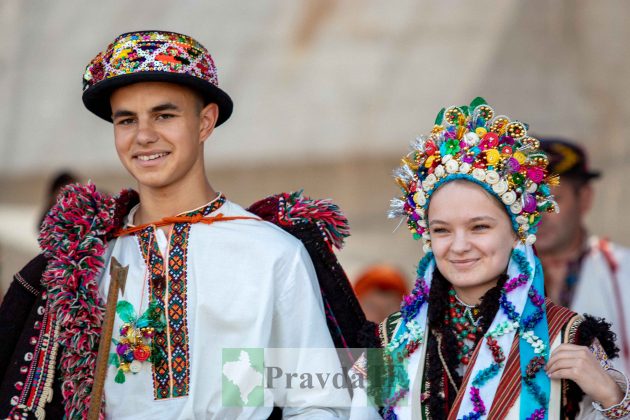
x=570, y=253
x=156, y=204
x=556, y=266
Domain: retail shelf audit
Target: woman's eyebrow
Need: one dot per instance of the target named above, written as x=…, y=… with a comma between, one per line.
x=482, y=218
x=437, y=221
x=472, y=220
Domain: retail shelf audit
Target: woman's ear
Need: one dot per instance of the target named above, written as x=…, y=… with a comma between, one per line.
x=517, y=240
x=207, y=121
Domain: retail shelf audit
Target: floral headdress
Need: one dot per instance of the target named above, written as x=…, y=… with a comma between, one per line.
x=472, y=143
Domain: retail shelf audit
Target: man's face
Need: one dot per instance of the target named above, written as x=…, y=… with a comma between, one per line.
x=559, y=231
x=377, y=304
x=159, y=131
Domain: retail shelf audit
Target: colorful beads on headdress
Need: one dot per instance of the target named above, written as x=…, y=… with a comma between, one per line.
x=150, y=51
x=471, y=143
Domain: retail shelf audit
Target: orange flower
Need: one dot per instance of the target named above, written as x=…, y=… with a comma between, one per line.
x=141, y=353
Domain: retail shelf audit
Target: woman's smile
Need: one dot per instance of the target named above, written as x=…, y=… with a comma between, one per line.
x=464, y=263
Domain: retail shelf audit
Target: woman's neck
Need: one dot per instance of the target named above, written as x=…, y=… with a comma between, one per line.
x=472, y=295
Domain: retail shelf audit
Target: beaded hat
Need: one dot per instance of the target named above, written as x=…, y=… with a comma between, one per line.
x=472, y=143
x=156, y=56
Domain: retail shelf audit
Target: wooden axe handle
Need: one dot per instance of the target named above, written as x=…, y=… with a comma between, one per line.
x=118, y=277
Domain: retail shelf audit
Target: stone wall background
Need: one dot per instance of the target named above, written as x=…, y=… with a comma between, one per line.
x=327, y=94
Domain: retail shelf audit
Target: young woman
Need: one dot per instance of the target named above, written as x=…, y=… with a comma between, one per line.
x=476, y=338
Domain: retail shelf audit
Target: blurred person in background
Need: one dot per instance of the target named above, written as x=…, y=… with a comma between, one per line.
x=55, y=185
x=584, y=272
x=380, y=289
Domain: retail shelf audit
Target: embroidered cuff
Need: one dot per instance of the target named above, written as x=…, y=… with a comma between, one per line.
x=620, y=410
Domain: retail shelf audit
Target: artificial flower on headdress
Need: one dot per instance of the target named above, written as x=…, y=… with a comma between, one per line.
x=472, y=143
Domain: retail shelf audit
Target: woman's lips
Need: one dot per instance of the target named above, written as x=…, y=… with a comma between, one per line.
x=464, y=264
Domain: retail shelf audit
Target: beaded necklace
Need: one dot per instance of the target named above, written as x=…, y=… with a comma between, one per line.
x=464, y=320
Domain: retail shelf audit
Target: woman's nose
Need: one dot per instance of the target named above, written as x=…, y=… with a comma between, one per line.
x=461, y=242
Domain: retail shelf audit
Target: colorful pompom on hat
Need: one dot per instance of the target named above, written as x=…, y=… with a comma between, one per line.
x=157, y=56
x=473, y=143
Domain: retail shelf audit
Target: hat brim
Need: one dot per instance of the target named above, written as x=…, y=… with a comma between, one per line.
x=96, y=98
x=580, y=174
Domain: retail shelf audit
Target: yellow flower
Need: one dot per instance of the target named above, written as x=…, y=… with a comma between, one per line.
x=480, y=131
x=520, y=157
x=429, y=162
x=492, y=156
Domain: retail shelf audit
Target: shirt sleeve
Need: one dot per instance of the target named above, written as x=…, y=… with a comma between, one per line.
x=590, y=409
x=299, y=327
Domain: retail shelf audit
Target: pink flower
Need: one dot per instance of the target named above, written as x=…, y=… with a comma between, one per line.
x=536, y=174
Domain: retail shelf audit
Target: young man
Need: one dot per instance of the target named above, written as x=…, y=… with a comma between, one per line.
x=203, y=274
x=582, y=271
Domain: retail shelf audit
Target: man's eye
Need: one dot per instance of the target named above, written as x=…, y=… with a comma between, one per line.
x=124, y=121
x=165, y=116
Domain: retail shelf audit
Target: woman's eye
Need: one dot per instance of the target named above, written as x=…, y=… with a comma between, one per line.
x=439, y=230
x=481, y=227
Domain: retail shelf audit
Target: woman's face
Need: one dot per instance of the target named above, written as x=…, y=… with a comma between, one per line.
x=471, y=237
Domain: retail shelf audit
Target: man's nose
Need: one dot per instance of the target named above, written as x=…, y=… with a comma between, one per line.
x=146, y=132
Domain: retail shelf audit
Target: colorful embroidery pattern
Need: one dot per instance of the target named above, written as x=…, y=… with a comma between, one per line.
x=171, y=375
x=177, y=292
x=157, y=282
x=151, y=51
x=39, y=366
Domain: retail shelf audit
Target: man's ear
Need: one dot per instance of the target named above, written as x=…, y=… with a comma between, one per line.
x=207, y=121
x=585, y=197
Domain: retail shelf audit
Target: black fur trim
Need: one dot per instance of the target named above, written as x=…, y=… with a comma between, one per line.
x=592, y=328
x=589, y=329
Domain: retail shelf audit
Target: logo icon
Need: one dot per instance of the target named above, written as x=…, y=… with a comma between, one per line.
x=242, y=379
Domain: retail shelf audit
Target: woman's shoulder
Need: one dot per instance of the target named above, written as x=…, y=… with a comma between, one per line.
x=581, y=329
